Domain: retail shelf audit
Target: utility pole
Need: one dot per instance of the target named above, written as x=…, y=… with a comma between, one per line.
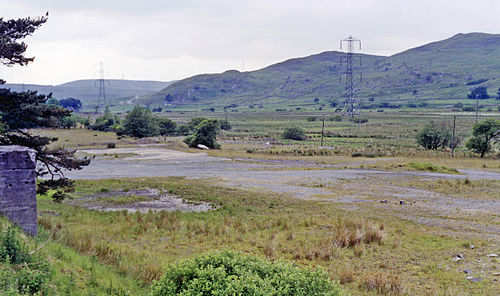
x=351, y=103
x=477, y=106
x=322, y=130
x=453, y=136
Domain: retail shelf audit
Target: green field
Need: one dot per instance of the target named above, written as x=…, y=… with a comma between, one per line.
x=370, y=248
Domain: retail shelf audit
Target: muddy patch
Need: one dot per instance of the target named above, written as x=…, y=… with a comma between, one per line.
x=142, y=201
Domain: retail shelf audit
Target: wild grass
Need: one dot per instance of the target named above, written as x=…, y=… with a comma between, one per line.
x=429, y=167
x=139, y=246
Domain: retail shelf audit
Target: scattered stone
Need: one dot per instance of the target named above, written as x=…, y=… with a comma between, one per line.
x=401, y=202
x=384, y=201
x=492, y=255
x=496, y=274
x=458, y=258
x=467, y=271
x=201, y=146
x=472, y=246
x=473, y=279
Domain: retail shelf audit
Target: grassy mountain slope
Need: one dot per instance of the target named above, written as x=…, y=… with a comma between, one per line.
x=87, y=90
x=441, y=70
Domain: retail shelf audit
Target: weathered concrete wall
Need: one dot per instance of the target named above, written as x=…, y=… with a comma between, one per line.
x=18, y=187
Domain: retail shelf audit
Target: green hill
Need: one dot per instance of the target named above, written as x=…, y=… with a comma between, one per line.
x=442, y=71
x=87, y=90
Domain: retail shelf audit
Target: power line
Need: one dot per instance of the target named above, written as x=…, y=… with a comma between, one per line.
x=101, y=98
x=351, y=102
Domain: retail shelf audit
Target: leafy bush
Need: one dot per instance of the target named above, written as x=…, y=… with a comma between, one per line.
x=483, y=134
x=165, y=126
x=183, y=130
x=468, y=109
x=337, y=117
x=231, y=273
x=480, y=92
x=194, y=122
x=19, y=273
x=225, y=125
x=359, y=119
x=11, y=249
x=140, y=123
x=433, y=136
x=294, y=133
x=106, y=122
x=69, y=122
x=205, y=133
x=311, y=118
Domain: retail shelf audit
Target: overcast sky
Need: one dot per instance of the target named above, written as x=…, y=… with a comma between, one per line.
x=169, y=40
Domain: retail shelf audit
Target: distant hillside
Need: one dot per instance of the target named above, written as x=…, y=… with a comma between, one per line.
x=440, y=70
x=87, y=90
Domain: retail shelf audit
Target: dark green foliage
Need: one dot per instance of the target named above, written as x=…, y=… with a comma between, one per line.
x=311, y=118
x=231, y=273
x=359, y=119
x=16, y=276
x=468, y=109
x=433, y=136
x=70, y=121
x=498, y=94
x=294, y=133
x=225, y=125
x=107, y=122
x=333, y=103
x=483, y=134
x=11, y=32
x=183, y=130
x=205, y=133
x=480, y=92
x=71, y=104
x=336, y=118
x=11, y=249
x=21, y=110
x=53, y=102
x=193, y=123
x=140, y=123
x=166, y=126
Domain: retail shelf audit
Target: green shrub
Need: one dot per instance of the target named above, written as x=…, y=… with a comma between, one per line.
x=11, y=249
x=294, y=133
x=166, y=126
x=19, y=273
x=225, y=125
x=140, y=123
x=336, y=118
x=232, y=273
x=433, y=136
x=359, y=119
x=205, y=134
x=483, y=134
x=311, y=118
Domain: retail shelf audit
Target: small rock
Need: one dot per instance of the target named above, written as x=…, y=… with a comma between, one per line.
x=384, y=201
x=472, y=246
x=492, y=255
x=467, y=271
x=401, y=202
x=201, y=146
x=496, y=274
x=458, y=258
x=478, y=279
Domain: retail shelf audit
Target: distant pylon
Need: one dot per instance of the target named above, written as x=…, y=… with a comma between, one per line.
x=351, y=102
x=101, y=98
